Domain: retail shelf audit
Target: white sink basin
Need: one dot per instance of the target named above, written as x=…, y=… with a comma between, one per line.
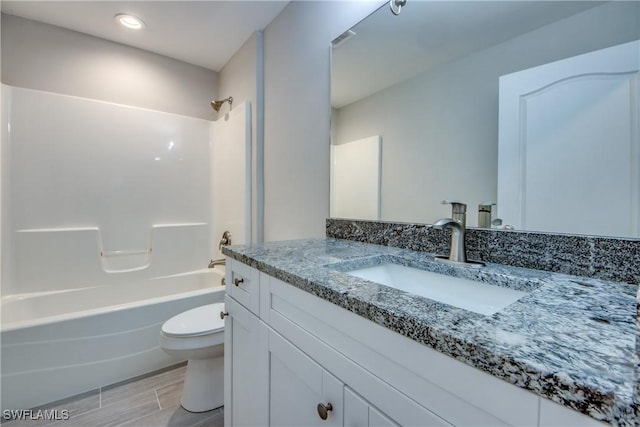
x=470, y=295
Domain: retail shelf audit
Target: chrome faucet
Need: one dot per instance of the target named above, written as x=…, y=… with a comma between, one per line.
x=458, y=252
x=458, y=224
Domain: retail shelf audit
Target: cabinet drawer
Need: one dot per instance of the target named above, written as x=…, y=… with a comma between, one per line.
x=243, y=284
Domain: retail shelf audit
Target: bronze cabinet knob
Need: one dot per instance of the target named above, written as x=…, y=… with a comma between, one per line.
x=323, y=410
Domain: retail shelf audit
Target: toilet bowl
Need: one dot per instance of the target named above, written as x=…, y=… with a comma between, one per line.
x=197, y=335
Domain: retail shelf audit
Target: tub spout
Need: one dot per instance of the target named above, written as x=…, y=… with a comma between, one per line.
x=213, y=263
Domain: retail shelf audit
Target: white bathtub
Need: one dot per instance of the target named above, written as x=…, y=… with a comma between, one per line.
x=59, y=344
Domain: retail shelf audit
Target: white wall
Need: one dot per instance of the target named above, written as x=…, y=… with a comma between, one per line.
x=440, y=129
x=238, y=78
x=230, y=177
x=297, y=111
x=45, y=57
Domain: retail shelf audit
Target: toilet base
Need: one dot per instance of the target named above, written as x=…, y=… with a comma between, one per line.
x=203, y=385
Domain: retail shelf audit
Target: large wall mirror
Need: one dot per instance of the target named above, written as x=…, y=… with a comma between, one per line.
x=419, y=115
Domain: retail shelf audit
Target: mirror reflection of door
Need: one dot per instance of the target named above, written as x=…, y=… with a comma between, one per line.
x=355, y=179
x=569, y=155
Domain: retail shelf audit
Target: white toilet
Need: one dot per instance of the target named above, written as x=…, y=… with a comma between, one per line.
x=197, y=335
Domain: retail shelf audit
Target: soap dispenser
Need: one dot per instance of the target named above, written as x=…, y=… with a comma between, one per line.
x=485, y=214
x=458, y=211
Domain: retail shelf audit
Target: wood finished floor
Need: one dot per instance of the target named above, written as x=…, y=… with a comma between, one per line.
x=150, y=401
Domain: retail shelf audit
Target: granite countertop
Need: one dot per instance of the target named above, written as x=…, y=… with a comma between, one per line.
x=570, y=339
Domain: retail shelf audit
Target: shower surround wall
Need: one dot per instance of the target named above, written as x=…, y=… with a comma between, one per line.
x=96, y=190
x=108, y=227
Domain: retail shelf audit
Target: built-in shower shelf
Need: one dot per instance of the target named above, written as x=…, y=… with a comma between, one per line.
x=124, y=261
x=128, y=252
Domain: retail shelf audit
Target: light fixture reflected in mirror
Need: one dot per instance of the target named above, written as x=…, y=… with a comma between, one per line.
x=396, y=6
x=129, y=21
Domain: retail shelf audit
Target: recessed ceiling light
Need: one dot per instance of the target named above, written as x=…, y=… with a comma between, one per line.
x=129, y=21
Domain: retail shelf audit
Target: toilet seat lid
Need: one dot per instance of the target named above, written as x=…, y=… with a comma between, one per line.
x=197, y=321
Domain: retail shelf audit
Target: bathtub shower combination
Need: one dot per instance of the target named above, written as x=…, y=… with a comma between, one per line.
x=110, y=215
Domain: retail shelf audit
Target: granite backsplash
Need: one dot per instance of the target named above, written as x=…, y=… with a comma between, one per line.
x=606, y=258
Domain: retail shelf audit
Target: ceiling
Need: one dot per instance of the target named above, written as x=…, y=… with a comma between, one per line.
x=204, y=33
x=389, y=49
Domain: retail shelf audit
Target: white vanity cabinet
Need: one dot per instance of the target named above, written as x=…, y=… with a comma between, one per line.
x=303, y=393
x=294, y=351
x=269, y=380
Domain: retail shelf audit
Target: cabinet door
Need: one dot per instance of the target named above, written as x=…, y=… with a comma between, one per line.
x=360, y=413
x=298, y=385
x=246, y=367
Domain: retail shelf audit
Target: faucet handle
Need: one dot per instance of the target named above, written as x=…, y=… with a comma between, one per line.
x=225, y=241
x=485, y=213
x=486, y=207
x=457, y=207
